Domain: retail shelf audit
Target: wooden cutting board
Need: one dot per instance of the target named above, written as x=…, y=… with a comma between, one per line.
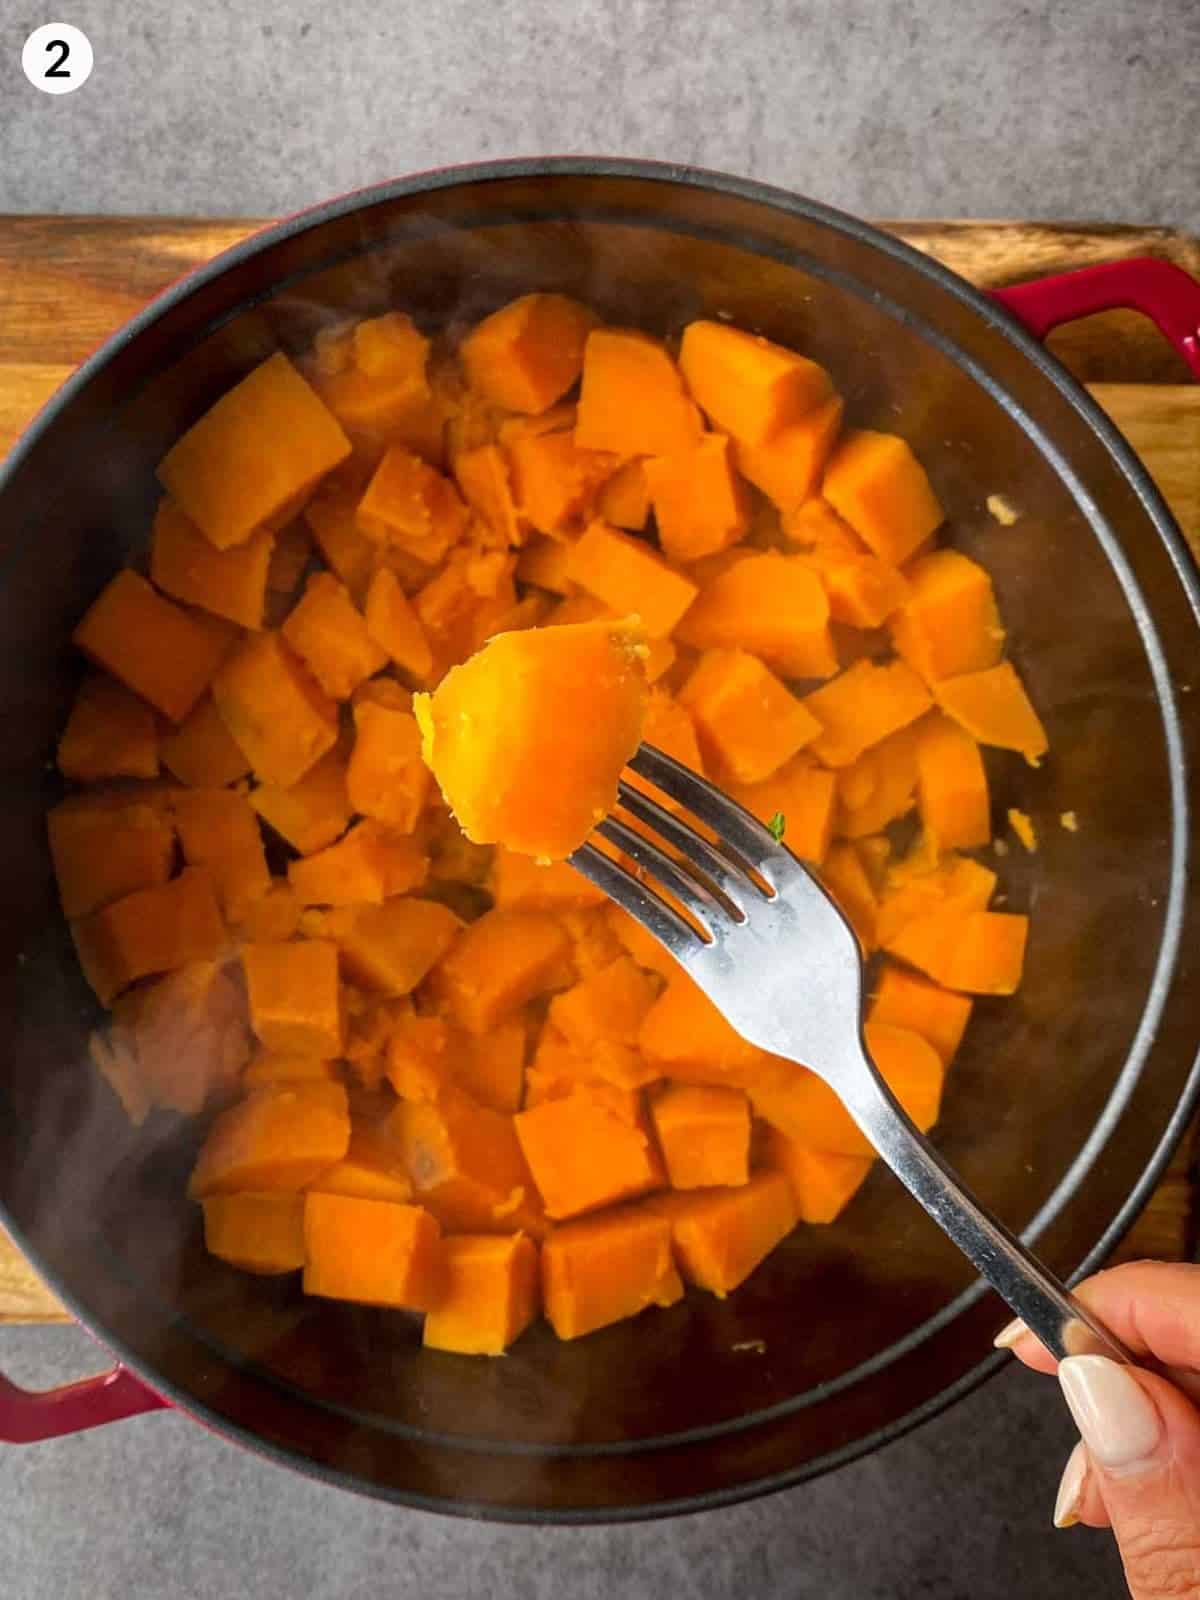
x=67, y=282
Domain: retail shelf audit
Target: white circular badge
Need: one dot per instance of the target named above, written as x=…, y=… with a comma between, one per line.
x=57, y=58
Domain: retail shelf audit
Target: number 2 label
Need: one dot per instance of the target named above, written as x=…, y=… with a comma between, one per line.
x=57, y=58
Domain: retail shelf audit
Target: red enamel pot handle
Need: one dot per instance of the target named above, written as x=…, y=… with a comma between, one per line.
x=1163, y=291
x=27, y=1415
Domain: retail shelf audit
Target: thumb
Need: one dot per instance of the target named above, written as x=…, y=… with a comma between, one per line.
x=1143, y=1443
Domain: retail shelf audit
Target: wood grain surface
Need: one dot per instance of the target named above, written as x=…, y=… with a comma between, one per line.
x=66, y=283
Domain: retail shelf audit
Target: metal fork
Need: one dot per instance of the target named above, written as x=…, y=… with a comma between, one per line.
x=781, y=963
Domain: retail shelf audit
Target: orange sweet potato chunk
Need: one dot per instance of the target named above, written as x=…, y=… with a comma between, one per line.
x=904, y=1000
x=466, y=1165
x=328, y=633
x=258, y=1232
x=188, y=1033
x=630, y=579
x=719, y=1236
x=748, y=386
x=862, y=706
x=187, y=566
x=389, y=949
x=601, y=1015
x=787, y=467
x=877, y=484
x=600, y=1270
x=823, y=1182
x=272, y=1067
x=879, y=786
x=527, y=355
x=312, y=812
x=845, y=876
x=633, y=400
x=527, y=739
x=704, y=1134
x=583, y=1154
x=372, y=1251
x=279, y=1137
x=491, y=1294
x=412, y=506
x=952, y=787
x=218, y=830
x=110, y=733
x=390, y=346
x=625, y=499
x=280, y=718
x=948, y=624
x=747, y=721
x=201, y=751
x=686, y=1037
x=395, y=626
x=518, y=882
x=994, y=708
x=166, y=655
x=498, y=963
x=485, y=483
x=979, y=952
x=369, y=865
x=386, y=778
x=151, y=930
x=371, y=1169
x=262, y=445
x=295, y=1005
x=350, y=554
x=773, y=605
x=555, y=480
x=700, y=504
x=805, y=796
x=102, y=853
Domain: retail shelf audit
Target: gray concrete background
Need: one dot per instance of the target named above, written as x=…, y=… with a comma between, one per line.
x=1073, y=109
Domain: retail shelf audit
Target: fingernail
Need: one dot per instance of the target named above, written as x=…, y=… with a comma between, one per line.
x=1119, y=1422
x=1070, y=1489
x=1010, y=1334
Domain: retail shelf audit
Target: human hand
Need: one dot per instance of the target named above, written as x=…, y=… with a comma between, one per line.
x=1137, y=1466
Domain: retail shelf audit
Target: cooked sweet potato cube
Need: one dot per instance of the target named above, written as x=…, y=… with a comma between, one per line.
x=102, y=853
x=201, y=751
x=485, y=483
x=366, y=867
x=294, y=999
x=410, y=504
x=904, y=1000
x=719, y=1236
x=845, y=876
x=166, y=655
x=787, y=467
x=311, y=812
x=258, y=1232
x=528, y=738
x=948, y=624
x=466, y=1165
x=584, y=1155
x=704, y=1134
x=747, y=721
x=772, y=605
x=700, y=504
x=281, y=719
x=352, y=556
x=543, y=562
x=152, y=930
x=862, y=706
x=979, y=952
x=110, y=733
x=497, y=964
x=633, y=400
x=372, y=1251
x=261, y=446
x=600, y=1270
x=279, y=1137
x=626, y=575
x=219, y=830
x=491, y=1294
x=914, y=888
x=879, y=786
x=395, y=627
x=518, y=882
x=823, y=1182
x=272, y=1067
x=624, y=500
x=271, y=917
x=189, y=1034
x=804, y=795
x=184, y=564
x=952, y=786
x=386, y=778
x=390, y=948
x=601, y=1015
x=685, y=1036
x=994, y=708
x=330, y=636
x=371, y=1169
x=527, y=355
x=748, y=386
x=864, y=591
x=555, y=480
x=875, y=482
x=290, y=555
x=491, y=1068
x=391, y=346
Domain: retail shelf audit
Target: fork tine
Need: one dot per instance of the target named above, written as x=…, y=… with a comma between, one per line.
x=729, y=879
x=698, y=901
x=640, y=901
x=730, y=821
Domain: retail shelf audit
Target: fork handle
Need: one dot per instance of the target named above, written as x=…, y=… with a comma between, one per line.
x=1046, y=1306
